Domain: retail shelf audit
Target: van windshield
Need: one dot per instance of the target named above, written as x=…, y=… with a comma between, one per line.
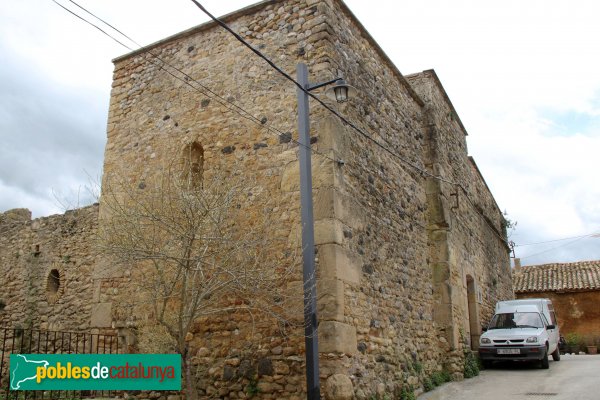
x=516, y=320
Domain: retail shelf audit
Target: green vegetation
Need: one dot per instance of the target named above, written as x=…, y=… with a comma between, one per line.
x=417, y=367
x=440, y=377
x=252, y=387
x=471, y=368
x=574, y=342
x=428, y=384
x=436, y=379
x=407, y=393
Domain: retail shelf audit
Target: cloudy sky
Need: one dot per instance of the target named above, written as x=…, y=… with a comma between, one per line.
x=524, y=77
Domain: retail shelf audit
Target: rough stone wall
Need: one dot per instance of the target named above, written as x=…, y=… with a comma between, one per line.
x=388, y=338
x=468, y=250
x=153, y=117
x=395, y=249
x=384, y=233
x=29, y=251
x=576, y=312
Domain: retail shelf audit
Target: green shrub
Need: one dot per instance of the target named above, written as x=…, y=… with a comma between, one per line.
x=440, y=377
x=428, y=384
x=252, y=388
x=471, y=367
x=418, y=367
x=407, y=393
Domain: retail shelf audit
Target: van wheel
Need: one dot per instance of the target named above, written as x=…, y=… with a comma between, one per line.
x=556, y=354
x=544, y=363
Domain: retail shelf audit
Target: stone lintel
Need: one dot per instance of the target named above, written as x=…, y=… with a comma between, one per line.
x=337, y=337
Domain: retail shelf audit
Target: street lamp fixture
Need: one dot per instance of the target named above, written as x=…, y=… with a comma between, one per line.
x=339, y=92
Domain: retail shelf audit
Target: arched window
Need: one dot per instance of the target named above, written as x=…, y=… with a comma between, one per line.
x=55, y=284
x=192, y=160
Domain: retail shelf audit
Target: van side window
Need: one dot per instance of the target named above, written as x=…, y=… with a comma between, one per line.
x=544, y=320
x=552, y=317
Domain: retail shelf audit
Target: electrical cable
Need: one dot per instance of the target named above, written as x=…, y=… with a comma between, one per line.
x=104, y=22
x=95, y=26
x=305, y=90
x=213, y=95
x=554, y=248
x=558, y=240
x=245, y=114
x=344, y=119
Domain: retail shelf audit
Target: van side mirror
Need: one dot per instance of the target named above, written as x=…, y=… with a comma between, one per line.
x=549, y=327
x=484, y=329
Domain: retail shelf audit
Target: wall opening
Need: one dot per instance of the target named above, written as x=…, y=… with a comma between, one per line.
x=54, y=285
x=192, y=165
x=474, y=326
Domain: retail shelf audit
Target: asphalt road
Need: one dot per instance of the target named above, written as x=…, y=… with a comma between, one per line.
x=573, y=377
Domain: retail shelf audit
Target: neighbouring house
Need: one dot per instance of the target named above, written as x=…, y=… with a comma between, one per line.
x=574, y=289
x=411, y=246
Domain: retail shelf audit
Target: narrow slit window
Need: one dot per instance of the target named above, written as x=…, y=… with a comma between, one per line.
x=193, y=165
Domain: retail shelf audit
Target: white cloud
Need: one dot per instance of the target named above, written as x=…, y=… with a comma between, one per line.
x=523, y=76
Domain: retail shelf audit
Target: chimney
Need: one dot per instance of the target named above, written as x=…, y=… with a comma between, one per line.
x=517, y=264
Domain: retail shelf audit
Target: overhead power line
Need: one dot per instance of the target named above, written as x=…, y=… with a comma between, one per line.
x=363, y=133
x=556, y=247
x=187, y=80
x=305, y=90
x=231, y=106
x=595, y=234
x=92, y=24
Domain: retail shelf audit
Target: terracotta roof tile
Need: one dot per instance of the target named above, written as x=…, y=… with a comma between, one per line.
x=568, y=277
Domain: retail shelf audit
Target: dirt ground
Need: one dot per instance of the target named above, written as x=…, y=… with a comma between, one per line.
x=573, y=377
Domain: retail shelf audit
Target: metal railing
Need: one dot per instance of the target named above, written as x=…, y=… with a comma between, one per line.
x=35, y=341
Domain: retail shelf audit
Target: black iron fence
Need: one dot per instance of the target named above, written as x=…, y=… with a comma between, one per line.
x=34, y=341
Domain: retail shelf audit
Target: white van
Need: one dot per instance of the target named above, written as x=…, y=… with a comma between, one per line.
x=521, y=330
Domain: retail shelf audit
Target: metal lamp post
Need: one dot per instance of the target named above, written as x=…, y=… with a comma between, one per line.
x=341, y=91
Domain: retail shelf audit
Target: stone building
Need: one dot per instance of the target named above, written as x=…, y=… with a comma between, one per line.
x=411, y=246
x=47, y=267
x=574, y=289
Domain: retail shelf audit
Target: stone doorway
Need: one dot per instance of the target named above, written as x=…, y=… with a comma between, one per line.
x=473, y=313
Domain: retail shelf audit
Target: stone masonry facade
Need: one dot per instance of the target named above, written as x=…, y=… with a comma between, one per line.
x=411, y=246
x=46, y=266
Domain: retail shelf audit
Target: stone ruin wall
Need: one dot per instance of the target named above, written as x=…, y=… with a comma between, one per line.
x=29, y=251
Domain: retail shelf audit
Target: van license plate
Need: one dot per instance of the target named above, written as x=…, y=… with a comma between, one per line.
x=509, y=351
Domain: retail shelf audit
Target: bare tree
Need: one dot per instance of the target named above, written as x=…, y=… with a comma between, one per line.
x=196, y=251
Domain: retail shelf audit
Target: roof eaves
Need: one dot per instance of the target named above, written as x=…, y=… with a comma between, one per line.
x=382, y=54
x=438, y=83
x=198, y=28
